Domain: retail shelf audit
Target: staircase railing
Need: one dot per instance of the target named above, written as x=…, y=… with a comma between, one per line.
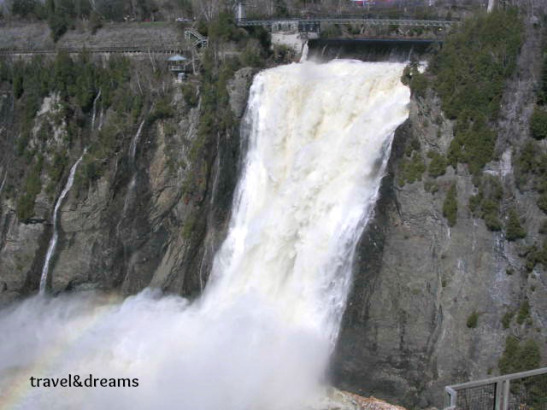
x=196, y=38
x=517, y=391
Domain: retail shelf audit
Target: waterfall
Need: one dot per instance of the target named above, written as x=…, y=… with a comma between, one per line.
x=134, y=143
x=95, y=110
x=3, y=181
x=53, y=241
x=132, y=184
x=318, y=140
x=305, y=52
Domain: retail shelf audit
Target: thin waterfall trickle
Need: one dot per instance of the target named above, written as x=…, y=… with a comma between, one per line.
x=129, y=196
x=317, y=138
x=3, y=182
x=53, y=241
x=95, y=110
x=134, y=143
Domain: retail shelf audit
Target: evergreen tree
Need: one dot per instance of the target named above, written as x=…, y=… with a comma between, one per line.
x=514, y=229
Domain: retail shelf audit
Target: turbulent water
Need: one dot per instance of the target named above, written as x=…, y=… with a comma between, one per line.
x=319, y=137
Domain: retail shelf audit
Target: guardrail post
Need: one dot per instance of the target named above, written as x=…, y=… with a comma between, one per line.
x=499, y=395
x=505, y=403
x=451, y=397
x=502, y=388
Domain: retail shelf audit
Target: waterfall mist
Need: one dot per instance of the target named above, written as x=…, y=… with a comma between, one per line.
x=261, y=334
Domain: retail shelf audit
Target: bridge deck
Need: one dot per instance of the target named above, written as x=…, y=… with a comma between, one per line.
x=349, y=20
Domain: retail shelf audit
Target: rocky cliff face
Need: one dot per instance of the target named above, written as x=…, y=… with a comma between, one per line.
x=408, y=329
x=153, y=217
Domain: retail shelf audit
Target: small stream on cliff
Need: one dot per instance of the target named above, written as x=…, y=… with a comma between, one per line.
x=318, y=140
x=55, y=236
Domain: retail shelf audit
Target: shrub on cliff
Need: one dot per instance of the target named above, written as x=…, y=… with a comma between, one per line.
x=506, y=319
x=450, y=205
x=536, y=255
x=514, y=229
x=531, y=167
x=473, y=320
x=437, y=166
x=486, y=203
x=470, y=77
x=542, y=93
x=542, y=202
x=538, y=124
x=162, y=111
x=31, y=188
x=523, y=313
x=517, y=358
x=190, y=95
x=417, y=81
x=411, y=170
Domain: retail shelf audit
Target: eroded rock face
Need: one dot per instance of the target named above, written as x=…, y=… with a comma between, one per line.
x=125, y=230
x=405, y=333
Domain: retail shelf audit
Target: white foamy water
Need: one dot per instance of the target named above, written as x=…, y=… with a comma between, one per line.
x=305, y=52
x=260, y=336
x=53, y=241
x=94, y=113
x=135, y=142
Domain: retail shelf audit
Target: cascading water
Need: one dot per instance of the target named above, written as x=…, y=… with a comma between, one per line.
x=95, y=109
x=3, y=182
x=305, y=52
x=319, y=137
x=53, y=241
x=129, y=197
x=135, y=143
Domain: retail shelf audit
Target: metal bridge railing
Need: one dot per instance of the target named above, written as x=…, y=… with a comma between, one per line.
x=168, y=49
x=348, y=20
x=517, y=391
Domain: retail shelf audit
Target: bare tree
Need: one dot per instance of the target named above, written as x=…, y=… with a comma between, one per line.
x=207, y=9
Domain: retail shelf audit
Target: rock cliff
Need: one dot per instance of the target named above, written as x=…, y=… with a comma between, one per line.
x=433, y=304
x=155, y=213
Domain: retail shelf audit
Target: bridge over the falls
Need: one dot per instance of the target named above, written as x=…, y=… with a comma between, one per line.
x=313, y=24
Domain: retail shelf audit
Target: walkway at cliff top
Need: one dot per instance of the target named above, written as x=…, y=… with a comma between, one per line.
x=343, y=20
x=121, y=37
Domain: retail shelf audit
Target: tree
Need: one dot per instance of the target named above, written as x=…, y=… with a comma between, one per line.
x=514, y=229
x=207, y=9
x=110, y=9
x=538, y=124
x=450, y=205
x=23, y=8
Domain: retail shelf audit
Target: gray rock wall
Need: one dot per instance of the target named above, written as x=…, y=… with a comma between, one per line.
x=417, y=280
x=113, y=236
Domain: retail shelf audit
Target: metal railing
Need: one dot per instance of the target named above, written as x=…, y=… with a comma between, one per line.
x=173, y=49
x=349, y=20
x=197, y=39
x=517, y=391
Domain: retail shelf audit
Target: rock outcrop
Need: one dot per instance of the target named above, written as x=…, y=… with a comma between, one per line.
x=138, y=224
x=417, y=281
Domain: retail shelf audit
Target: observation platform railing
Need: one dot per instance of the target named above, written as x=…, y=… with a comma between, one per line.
x=517, y=391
